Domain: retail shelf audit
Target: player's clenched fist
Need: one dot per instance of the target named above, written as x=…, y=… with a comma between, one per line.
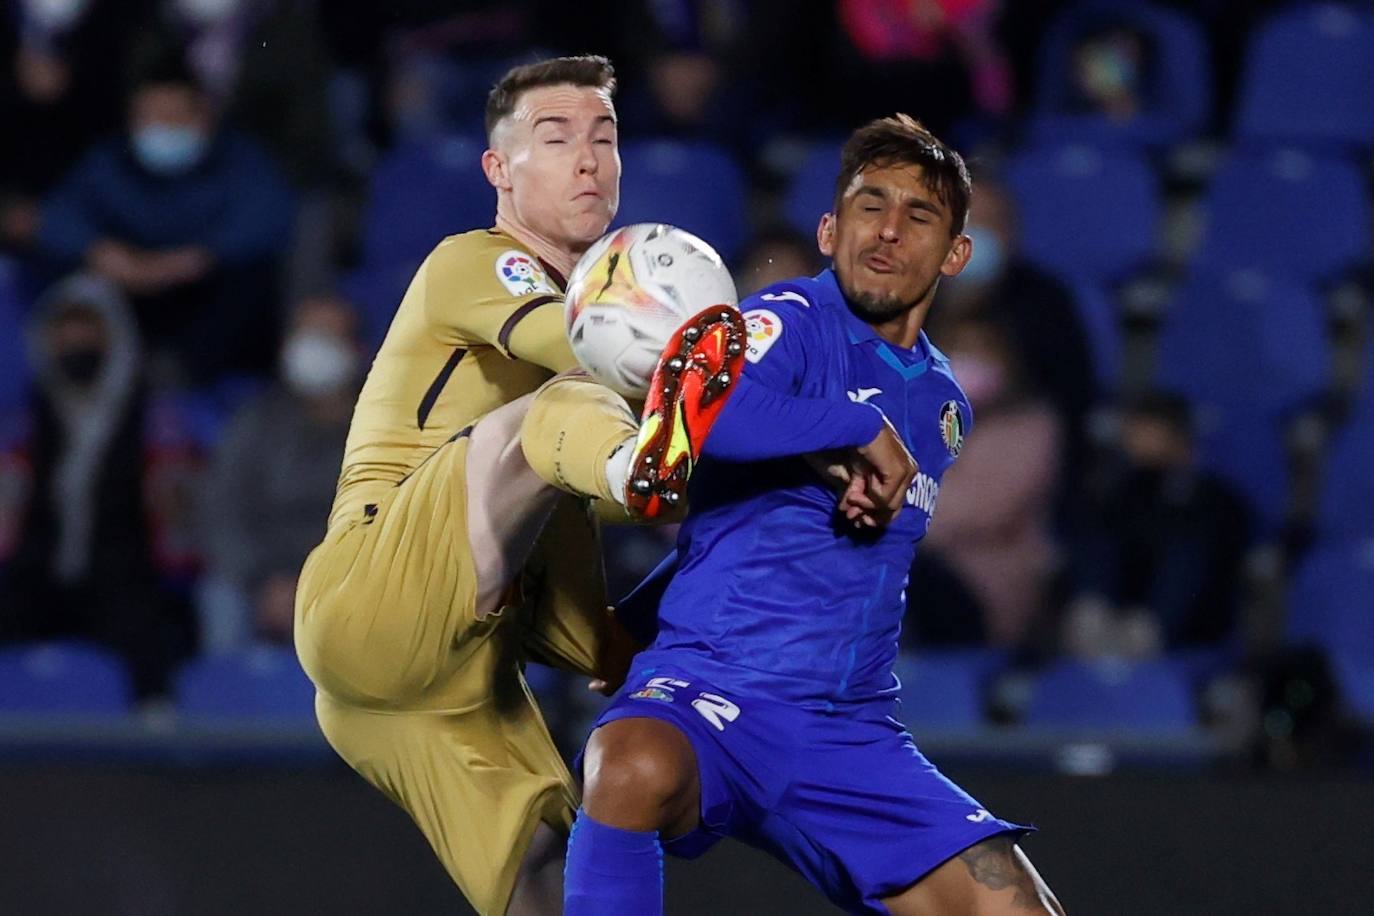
x=890, y=472
x=872, y=480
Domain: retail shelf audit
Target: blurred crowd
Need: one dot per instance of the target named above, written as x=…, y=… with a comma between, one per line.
x=209, y=208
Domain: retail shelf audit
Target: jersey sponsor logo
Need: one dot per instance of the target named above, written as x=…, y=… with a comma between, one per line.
x=863, y=394
x=952, y=427
x=715, y=709
x=763, y=329
x=786, y=296
x=980, y=816
x=522, y=274
x=922, y=493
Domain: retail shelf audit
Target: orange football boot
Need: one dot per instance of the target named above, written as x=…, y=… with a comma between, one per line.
x=693, y=379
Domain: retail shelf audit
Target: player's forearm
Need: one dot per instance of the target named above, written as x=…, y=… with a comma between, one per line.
x=758, y=423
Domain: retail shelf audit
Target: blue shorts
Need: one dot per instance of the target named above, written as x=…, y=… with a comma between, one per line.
x=844, y=797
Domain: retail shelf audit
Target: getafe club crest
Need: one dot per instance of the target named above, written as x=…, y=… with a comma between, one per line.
x=522, y=274
x=952, y=427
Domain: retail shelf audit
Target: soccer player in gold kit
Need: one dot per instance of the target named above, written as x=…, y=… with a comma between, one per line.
x=446, y=561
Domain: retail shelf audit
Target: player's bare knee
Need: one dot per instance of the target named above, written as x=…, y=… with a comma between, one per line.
x=640, y=774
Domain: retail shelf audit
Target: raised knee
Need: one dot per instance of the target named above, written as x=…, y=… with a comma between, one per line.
x=647, y=777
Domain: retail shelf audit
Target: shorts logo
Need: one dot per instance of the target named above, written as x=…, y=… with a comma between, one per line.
x=763, y=328
x=952, y=427
x=521, y=274
x=715, y=709
x=659, y=688
x=652, y=693
x=979, y=816
x=786, y=296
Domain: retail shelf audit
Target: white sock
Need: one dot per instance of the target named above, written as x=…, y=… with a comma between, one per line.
x=618, y=469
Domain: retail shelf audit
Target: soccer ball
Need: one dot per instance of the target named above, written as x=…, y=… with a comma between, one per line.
x=631, y=291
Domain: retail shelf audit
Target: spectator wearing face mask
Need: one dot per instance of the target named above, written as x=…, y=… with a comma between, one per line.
x=1050, y=341
x=1161, y=566
x=263, y=63
x=273, y=479
x=84, y=563
x=188, y=219
x=993, y=518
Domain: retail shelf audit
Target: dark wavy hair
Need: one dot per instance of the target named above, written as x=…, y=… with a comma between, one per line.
x=902, y=140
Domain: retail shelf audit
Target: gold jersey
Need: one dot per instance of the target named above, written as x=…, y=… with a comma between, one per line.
x=480, y=325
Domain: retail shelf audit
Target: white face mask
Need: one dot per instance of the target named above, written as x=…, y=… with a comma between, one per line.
x=989, y=255
x=53, y=15
x=166, y=149
x=315, y=364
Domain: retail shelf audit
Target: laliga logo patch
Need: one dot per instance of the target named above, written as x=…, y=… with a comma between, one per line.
x=521, y=274
x=952, y=427
x=652, y=693
x=763, y=329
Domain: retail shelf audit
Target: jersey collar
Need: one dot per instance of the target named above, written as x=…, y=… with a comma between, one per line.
x=861, y=332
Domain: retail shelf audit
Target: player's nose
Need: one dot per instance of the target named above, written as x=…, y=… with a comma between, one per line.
x=586, y=159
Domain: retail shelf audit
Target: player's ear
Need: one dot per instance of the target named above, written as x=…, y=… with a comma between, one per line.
x=496, y=167
x=825, y=235
x=957, y=258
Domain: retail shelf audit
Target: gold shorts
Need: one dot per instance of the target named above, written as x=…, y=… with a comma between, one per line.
x=427, y=702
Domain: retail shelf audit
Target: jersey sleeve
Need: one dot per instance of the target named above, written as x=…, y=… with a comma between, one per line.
x=767, y=417
x=480, y=291
x=780, y=334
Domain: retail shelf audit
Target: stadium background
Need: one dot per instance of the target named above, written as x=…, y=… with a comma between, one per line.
x=1145, y=624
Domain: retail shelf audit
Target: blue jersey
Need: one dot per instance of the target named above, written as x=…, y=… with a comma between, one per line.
x=772, y=592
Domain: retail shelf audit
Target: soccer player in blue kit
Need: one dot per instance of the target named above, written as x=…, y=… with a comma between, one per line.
x=765, y=707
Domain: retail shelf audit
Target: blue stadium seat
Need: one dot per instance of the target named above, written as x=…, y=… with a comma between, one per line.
x=1117, y=696
x=1097, y=313
x=811, y=190
x=14, y=364
x=377, y=291
x=62, y=677
x=1248, y=350
x=696, y=186
x=421, y=193
x=1329, y=606
x=1307, y=78
x=1086, y=212
x=264, y=682
x=1344, y=507
x=943, y=690
x=1181, y=93
x=1286, y=210
x=1355, y=675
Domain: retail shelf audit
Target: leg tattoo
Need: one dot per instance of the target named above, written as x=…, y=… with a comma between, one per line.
x=992, y=864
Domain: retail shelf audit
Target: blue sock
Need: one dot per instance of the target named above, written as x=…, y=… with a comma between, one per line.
x=612, y=872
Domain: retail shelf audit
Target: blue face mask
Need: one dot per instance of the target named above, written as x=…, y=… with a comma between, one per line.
x=989, y=255
x=167, y=150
